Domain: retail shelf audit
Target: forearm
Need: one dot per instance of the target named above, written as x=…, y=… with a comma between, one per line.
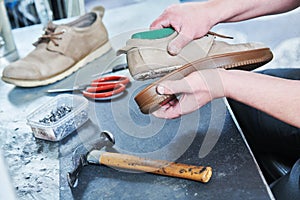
x=238, y=10
x=278, y=97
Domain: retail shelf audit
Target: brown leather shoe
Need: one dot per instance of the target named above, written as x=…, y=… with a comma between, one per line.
x=148, y=58
x=62, y=50
x=149, y=100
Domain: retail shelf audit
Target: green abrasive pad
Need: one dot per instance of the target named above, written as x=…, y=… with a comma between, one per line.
x=153, y=34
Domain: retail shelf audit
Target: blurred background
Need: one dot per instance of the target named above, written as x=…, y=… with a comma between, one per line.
x=28, y=12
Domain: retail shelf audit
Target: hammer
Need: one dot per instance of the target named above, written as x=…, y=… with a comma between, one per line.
x=131, y=162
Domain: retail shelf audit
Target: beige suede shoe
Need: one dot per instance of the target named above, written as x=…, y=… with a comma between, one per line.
x=62, y=50
x=147, y=55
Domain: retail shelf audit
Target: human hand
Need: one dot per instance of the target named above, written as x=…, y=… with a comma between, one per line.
x=196, y=90
x=190, y=20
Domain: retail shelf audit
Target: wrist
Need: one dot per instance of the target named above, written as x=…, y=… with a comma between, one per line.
x=223, y=79
x=231, y=10
x=214, y=82
x=207, y=14
x=217, y=13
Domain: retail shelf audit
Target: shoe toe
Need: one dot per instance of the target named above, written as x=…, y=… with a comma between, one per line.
x=20, y=70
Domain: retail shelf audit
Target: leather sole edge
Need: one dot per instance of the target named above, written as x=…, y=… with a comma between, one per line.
x=149, y=100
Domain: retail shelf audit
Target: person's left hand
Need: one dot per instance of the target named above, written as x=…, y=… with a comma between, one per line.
x=191, y=20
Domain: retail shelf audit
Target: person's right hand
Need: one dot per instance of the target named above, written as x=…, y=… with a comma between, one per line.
x=196, y=90
x=190, y=20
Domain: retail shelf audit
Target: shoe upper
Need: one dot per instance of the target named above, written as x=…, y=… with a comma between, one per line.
x=149, y=58
x=60, y=48
x=151, y=55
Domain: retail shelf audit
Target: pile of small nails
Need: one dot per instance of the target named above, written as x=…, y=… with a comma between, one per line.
x=71, y=125
x=57, y=114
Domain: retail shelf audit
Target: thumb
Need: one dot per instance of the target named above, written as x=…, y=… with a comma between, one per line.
x=172, y=87
x=179, y=42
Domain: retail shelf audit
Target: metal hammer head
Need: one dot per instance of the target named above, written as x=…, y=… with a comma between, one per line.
x=79, y=155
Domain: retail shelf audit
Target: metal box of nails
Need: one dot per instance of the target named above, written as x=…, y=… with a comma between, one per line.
x=58, y=118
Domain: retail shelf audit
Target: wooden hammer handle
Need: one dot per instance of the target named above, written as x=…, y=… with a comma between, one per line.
x=124, y=161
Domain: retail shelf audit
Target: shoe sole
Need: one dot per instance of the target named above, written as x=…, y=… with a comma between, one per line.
x=34, y=83
x=149, y=100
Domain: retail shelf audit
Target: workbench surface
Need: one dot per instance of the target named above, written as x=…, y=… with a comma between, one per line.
x=38, y=167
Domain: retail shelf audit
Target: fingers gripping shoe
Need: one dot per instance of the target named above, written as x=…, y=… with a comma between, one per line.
x=148, y=58
x=62, y=50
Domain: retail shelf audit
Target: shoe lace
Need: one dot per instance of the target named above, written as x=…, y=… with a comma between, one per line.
x=219, y=35
x=49, y=36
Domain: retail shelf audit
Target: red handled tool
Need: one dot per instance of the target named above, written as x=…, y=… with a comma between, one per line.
x=106, y=87
x=99, y=88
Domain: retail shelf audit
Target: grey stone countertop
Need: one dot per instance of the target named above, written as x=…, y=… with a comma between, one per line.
x=37, y=167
